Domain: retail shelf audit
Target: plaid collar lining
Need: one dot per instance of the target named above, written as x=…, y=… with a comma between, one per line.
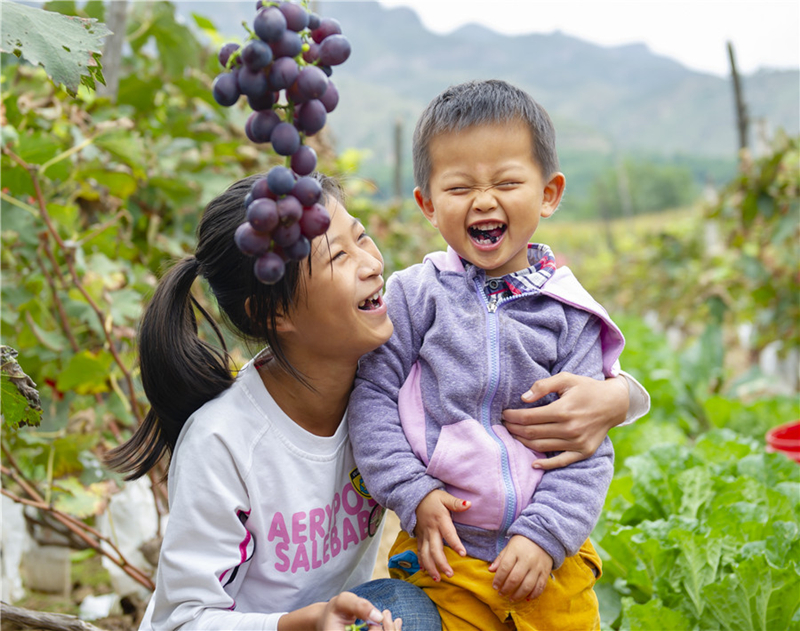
x=542, y=268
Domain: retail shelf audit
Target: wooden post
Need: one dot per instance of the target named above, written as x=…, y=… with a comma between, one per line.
x=741, y=109
x=116, y=19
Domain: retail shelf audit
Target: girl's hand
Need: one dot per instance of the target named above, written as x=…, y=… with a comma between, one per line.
x=342, y=610
x=576, y=423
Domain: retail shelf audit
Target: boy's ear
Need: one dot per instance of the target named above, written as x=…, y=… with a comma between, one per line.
x=425, y=205
x=553, y=192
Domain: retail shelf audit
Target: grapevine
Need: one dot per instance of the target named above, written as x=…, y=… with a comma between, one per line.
x=283, y=70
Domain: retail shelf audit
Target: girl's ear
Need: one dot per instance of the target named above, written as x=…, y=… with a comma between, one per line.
x=553, y=192
x=282, y=323
x=426, y=206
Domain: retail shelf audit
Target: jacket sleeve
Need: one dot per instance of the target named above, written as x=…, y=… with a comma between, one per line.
x=567, y=502
x=206, y=545
x=395, y=477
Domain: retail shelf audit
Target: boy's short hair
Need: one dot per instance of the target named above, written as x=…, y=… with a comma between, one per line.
x=482, y=103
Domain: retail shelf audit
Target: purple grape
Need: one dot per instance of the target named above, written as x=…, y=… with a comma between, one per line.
x=315, y=221
x=331, y=97
x=283, y=73
x=326, y=69
x=262, y=124
x=259, y=4
x=225, y=89
x=307, y=191
x=251, y=242
x=313, y=21
x=289, y=45
x=326, y=28
x=296, y=16
x=280, y=180
x=256, y=55
x=334, y=50
x=263, y=215
x=226, y=51
x=312, y=54
x=252, y=83
x=289, y=209
x=285, y=139
x=304, y=160
x=285, y=235
x=269, y=268
x=269, y=24
x=298, y=250
x=294, y=95
x=260, y=188
x=264, y=101
x=248, y=199
x=312, y=82
x=312, y=117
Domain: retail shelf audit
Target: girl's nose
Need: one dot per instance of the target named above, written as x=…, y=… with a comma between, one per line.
x=371, y=264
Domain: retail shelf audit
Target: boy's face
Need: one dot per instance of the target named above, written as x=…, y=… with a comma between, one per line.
x=487, y=194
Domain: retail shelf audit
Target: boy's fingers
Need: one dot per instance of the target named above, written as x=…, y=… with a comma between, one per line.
x=426, y=559
x=441, y=561
x=501, y=572
x=561, y=460
x=451, y=537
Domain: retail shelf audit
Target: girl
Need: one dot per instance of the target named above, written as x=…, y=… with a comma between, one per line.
x=269, y=520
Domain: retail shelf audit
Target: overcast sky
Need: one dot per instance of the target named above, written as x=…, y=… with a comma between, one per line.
x=765, y=33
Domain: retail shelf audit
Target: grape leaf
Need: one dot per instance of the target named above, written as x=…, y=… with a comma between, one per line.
x=67, y=47
x=20, y=399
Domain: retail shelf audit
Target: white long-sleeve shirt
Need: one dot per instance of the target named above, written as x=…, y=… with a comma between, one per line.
x=264, y=518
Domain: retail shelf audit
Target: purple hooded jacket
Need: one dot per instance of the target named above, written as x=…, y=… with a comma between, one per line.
x=425, y=413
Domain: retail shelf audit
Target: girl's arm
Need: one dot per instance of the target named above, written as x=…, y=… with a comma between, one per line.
x=578, y=421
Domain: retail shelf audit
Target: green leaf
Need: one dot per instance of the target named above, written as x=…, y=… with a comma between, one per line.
x=697, y=564
x=127, y=147
x=118, y=183
x=81, y=501
x=19, y=402
x=756, y=597
x=652, y=616
x=65, y=46
x=86, y=373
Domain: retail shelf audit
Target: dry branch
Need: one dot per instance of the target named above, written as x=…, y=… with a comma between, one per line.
x=29, y=619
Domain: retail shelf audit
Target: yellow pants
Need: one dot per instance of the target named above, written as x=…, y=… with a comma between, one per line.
x=467, y=601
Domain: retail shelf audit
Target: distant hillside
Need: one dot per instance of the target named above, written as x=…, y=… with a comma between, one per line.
x=602, y=99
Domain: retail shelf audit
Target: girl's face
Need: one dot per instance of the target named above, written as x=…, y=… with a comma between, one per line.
x=340, y=314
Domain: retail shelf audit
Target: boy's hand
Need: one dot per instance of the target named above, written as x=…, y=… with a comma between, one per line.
x=521, y=569
x=434, y=525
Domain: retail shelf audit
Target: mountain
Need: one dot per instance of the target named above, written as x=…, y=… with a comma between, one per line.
x=603, y=100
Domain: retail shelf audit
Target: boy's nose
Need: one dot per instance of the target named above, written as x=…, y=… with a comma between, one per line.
x=484, y=200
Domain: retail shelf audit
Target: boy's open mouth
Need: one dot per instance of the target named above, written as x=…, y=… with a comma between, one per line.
x=487, y=233
x=373, y=302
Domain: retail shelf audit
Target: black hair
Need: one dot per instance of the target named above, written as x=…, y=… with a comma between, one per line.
x=180, y=372
x=480, y=103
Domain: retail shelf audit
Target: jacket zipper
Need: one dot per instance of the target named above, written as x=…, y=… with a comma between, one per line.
x=486, y=405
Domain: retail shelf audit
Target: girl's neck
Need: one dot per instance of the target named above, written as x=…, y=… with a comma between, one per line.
x=318, y=411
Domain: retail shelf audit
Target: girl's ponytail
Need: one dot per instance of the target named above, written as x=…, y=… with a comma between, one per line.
x=180, y=372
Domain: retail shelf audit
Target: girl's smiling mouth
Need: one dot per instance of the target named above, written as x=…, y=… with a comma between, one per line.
x=373, y=302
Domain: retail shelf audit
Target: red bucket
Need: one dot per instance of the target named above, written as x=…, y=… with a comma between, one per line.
x=785, y=439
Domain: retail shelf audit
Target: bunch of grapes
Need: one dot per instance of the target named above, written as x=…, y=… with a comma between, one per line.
x=284, y=70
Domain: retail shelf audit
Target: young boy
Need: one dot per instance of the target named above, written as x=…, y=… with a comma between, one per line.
x=425, y=415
